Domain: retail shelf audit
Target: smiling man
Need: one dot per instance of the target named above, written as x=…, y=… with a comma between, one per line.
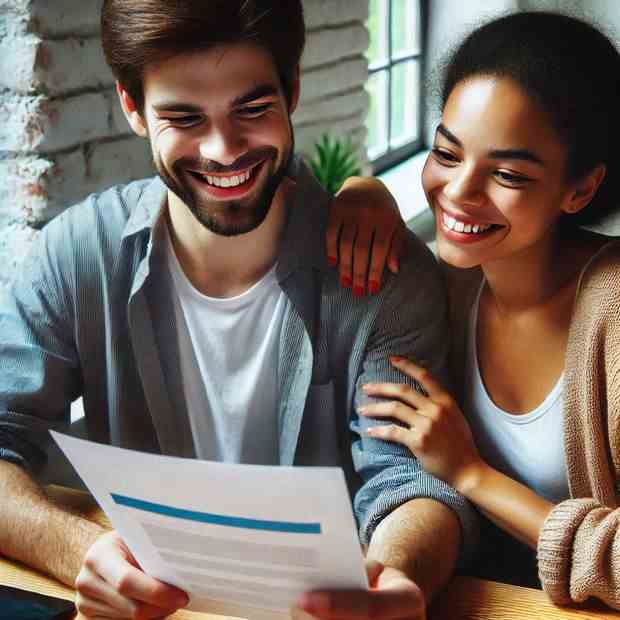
x=197, y=316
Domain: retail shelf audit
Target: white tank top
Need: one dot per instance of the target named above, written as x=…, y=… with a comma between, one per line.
x=527, y=447
x=230, y=381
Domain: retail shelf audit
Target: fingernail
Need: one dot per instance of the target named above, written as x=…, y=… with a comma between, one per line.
x=315, y=603
x=332, y=261
x=373, y=287
x=358, y=291
x=362, y=410
x=346, y=281
x=366, y=387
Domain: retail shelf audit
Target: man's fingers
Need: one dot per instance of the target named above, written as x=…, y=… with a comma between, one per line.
x=94, y=608
x=134, y=584
x=93, y=589
x=395, y=603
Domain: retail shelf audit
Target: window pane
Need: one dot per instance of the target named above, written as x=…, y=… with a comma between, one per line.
x=406, y=27
x=405, y=103
x=376, y=122
x=377, y=23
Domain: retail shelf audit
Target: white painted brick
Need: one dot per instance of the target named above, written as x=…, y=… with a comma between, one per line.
x=78, y=174
x=20, y=123
x=73, y=121
x=340, y=77
x=66, y=17
x=24, y=189
x=332, y=44
x=72, y=64
x=305, y=137
x=332, y=108
x=17, y=62
x=321, y=13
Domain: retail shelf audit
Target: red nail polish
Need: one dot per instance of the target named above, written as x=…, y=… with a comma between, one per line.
x=346, y=281
x=373, y=287
x=332, y=261
x=358, y=291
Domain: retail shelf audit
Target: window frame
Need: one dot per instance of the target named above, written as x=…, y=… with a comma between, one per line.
x=393, y=156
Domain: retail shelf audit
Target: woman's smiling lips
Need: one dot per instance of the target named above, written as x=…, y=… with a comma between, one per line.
x=228, y=186
x=464, y=229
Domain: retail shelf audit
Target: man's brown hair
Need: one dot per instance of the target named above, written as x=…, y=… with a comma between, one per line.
x=136, y=33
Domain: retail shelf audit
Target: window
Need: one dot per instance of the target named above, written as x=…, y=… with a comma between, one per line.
x=395, y=59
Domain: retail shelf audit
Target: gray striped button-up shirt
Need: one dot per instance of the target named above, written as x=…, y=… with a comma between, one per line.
x=93, y=315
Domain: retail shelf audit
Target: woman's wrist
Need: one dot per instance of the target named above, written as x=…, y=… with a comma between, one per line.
x=471, y=478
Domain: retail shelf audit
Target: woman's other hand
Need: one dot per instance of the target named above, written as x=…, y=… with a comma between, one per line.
x=365, y=234
x=435, y=429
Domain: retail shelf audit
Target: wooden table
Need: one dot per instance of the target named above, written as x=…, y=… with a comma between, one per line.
x=464, y=598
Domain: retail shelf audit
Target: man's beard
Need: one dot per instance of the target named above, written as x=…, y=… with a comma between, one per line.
x=225, y=218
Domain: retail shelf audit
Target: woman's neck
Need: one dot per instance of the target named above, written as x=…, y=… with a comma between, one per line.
x=536, y=276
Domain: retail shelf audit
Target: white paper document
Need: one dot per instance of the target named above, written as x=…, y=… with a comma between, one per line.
x=241, y=540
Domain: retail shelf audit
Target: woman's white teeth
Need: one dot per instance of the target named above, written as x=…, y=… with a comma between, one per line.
x=227, y=181
x=461, y=227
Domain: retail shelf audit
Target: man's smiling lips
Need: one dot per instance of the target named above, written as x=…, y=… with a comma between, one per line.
x=228, y=186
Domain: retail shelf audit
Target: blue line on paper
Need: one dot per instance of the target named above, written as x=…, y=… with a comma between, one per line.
x=227, y=521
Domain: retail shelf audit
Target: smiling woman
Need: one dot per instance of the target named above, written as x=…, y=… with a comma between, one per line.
x=526, y=154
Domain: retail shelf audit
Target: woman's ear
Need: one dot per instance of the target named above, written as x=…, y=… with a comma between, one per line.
x=584, y=189
x=132, y=114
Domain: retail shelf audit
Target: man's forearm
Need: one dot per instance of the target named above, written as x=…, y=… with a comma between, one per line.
x=37, y=532
x=421, y=538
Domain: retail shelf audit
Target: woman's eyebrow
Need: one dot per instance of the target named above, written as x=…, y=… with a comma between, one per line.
x=520, y=154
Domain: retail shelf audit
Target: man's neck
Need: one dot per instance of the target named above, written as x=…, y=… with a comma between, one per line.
x=220, y=266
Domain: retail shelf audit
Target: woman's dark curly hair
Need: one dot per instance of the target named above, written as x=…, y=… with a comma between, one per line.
x=572, y=70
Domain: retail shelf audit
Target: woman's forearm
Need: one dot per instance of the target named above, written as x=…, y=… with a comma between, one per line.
x=508, y=503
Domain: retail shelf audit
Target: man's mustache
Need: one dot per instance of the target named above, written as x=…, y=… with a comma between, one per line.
x=245, y=161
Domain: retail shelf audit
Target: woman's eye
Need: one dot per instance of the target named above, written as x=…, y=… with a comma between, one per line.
x=510, y=178
x=445, y=157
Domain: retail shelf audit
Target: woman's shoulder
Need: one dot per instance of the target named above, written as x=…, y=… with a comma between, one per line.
x=602, y=270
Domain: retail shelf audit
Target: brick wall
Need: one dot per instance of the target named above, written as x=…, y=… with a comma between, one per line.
x=63, y=135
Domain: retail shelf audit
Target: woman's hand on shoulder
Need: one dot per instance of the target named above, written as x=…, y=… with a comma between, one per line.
x=365, y=234
x=431, y=425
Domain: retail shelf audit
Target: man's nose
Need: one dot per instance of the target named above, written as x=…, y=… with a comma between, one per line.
x=223, y=144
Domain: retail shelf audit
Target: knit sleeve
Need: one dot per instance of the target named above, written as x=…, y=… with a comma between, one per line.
x=579, y=553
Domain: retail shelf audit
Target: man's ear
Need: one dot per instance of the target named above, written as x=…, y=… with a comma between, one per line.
x=295, y=88
x=584, y=190
x=133, y=116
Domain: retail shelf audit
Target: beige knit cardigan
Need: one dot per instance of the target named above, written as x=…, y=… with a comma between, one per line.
x=579, y=544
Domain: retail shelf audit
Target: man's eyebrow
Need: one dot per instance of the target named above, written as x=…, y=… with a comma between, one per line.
x=262, y=90
x=175, y=106
x=520, y=154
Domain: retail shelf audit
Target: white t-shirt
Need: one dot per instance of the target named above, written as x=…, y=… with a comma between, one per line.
x=527, y=447
x=230, y=377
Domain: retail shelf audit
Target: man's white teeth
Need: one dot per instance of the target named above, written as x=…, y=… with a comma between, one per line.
x=461, y=227
x=227, y=181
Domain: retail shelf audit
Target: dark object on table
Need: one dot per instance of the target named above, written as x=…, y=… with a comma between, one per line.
x=21, y=605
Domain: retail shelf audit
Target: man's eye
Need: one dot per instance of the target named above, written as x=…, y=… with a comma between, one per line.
x=251, y=111
x=184, y=121
x=444, y=156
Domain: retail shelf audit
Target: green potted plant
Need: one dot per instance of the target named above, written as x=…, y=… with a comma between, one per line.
x=334, y=161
